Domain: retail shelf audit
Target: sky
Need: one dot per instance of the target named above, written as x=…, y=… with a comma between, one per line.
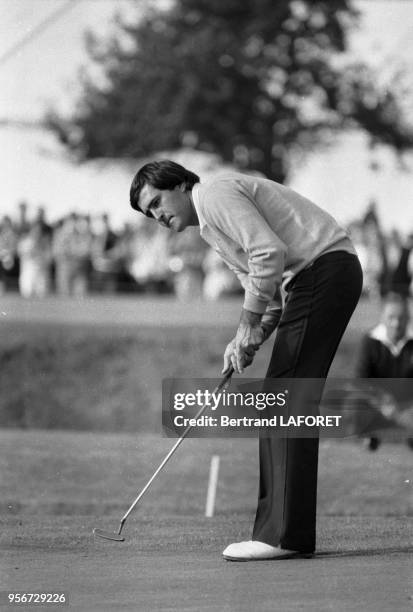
x=45, y=68
x=43, y=72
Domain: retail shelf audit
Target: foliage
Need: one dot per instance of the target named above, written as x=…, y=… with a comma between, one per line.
x=255, y=81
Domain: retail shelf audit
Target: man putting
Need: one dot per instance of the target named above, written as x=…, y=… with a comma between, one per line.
x=272, y=238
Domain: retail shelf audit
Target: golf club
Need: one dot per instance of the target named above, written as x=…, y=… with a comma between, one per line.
x=116, y=536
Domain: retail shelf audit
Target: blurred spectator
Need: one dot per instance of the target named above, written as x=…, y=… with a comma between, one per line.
x=387, y=350
x=149, y=264
x=376, y=271
x=35, y=251
x=41, y=219
x=124, y=279
x=186, y=254
x=219, y=280
x=23, y=225
x=72, y=247
x=380, y=255
x=8, y=252
x=105, y=256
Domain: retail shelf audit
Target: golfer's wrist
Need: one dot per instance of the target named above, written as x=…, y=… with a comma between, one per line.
x=267, y=329
x=250, y=318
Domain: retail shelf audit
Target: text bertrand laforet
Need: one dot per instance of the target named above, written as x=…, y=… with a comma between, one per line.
x=275, y=421
x=259, y=401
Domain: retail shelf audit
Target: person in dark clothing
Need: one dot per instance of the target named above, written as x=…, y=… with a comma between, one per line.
x=105, y=257
x=387, y=350
x=273, y=239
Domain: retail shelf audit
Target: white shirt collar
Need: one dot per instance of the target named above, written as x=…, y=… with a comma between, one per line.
x=195, y=200
x=380, y=333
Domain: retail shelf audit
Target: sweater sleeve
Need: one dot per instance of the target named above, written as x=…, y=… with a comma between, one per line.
x=242, y=276
x=229, y=209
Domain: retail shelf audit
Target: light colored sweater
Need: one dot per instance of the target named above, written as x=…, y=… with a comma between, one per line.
x=265, y=232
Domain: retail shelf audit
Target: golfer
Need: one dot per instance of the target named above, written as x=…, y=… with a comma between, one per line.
x=278, y=243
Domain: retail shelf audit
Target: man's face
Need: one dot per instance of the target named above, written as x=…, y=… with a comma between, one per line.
x=395, y=318
x=170, y=208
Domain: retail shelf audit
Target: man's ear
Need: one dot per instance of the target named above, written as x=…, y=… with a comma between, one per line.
x=182, y=187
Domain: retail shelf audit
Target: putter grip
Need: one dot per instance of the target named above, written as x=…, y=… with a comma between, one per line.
x=226, y=377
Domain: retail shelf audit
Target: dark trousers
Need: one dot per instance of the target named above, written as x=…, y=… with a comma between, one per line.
x=320, y=302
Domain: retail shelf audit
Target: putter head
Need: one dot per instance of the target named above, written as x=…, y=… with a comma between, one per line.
x=108, y=535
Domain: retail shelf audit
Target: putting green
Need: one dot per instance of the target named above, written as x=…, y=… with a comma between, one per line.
x=175, y=564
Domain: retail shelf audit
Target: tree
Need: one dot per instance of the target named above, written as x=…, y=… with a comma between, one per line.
x=252, y=80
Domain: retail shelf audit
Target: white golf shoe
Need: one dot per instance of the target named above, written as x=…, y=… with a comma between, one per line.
x=258, y=551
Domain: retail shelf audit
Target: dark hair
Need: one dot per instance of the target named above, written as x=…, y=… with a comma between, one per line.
x=163, y=174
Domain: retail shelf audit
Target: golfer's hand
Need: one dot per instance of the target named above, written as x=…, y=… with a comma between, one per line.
x=231, y=360
x=241, y=350
x=247, y=341
x=228, y=355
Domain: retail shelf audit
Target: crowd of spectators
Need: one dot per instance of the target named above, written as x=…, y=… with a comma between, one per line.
x=79, y=254
x=386, y=258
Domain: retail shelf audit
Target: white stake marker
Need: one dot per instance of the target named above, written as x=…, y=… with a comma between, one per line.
x=212, y=486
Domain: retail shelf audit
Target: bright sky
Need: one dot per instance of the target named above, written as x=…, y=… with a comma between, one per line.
x=45, y=68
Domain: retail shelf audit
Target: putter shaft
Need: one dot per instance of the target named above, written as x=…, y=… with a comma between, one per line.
x=117, y=536
x=217, y=389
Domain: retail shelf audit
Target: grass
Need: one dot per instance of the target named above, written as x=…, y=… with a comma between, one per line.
x=57, y=485
x=90, y=473
x=108, y=377
x=171, y=564
x=97, y=378
x=147, y=533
